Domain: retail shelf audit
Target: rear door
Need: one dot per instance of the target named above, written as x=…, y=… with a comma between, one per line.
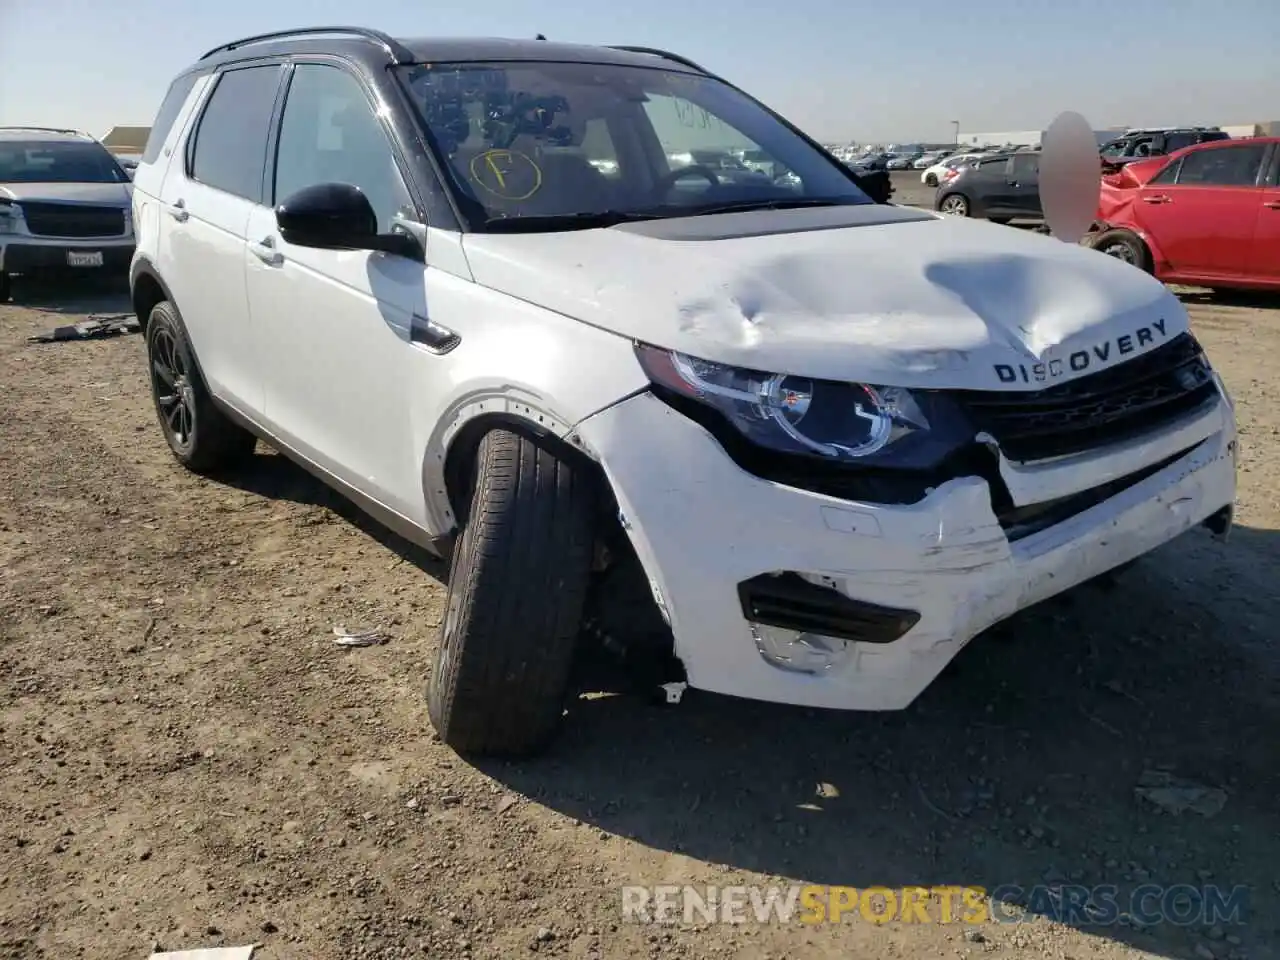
x=987, y=183
x=1024, y=184
x=1200, y=212
x=1264, y=256
x=206, y=199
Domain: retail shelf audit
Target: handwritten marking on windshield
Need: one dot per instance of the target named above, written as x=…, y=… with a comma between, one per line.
x=508, y=174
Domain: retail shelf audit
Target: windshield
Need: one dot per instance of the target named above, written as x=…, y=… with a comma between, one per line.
x=46, y=161
x=541, y=141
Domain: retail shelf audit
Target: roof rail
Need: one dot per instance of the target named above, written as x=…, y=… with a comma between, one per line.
x=664, y=54
x=23, y=126
x=398, y=51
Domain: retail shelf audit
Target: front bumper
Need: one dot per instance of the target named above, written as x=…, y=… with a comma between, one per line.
x=51, y=256
x=702, y=526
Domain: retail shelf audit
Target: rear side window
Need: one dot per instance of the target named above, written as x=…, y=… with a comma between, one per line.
x=1222, y=167
x=230, y=146
x=179, y=90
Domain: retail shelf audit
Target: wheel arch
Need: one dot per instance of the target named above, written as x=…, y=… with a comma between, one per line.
x=146, y=289
x=448, y=466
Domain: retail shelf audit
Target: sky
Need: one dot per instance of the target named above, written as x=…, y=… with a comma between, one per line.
x=872, y=72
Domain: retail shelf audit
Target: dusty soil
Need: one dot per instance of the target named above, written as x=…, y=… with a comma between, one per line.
x=189, y=760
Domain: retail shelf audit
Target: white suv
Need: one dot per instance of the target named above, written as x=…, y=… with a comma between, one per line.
x=64, y=205
x=779, y=440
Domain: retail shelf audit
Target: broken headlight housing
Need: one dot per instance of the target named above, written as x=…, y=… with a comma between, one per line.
x=849, y=423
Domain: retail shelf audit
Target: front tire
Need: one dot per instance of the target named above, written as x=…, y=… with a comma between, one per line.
x=931, y=180
x=517, y=589
x=200, y=435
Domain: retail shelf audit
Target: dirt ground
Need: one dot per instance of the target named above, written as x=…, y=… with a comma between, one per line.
x=188, y=760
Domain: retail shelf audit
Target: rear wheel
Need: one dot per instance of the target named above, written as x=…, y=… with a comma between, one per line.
x=517, y=589
x=955, y=205
x=1124, y=245
x=200, y=435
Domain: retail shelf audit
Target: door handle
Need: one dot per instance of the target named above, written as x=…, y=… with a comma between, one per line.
x=265, y=250
x=1272, y=204
x=1158, y=198
x=178, y=210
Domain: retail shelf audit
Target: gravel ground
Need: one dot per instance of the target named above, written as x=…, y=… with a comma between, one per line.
x=189, y=760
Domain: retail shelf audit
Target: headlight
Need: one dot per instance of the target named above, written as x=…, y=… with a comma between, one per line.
x=849, y=422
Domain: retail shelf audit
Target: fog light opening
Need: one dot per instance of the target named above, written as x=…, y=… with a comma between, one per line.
x=809, y=653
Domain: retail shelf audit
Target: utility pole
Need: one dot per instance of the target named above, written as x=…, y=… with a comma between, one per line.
x=956, y=124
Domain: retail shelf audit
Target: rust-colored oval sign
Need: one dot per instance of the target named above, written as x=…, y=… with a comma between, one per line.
x=1070, y=177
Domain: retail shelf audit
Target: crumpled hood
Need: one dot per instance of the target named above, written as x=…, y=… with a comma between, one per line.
x=879, y=294
x=105, y=194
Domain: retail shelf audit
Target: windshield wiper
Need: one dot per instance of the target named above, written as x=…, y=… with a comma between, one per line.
x=551, y=223
x=776, y=203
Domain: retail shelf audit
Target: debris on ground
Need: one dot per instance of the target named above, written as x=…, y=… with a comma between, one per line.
x=1176, y=796
x=358, y=638
x=97, y=327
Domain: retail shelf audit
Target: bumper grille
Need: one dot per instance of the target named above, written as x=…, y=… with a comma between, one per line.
x=1127, y=400
x=73, y=220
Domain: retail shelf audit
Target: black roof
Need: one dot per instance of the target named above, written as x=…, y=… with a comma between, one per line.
x=371, y=46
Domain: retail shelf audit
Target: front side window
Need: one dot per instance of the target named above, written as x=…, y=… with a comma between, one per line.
x=542, y=141
x=329, y=134
x=230, y=145
x=1222, y=167
x=53, y=161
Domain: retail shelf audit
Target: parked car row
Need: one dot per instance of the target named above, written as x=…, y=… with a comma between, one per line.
x=1207, y=214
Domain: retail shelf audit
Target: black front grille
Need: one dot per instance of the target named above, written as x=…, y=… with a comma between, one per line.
x=789, y=601
x=1127, y=400
x=73, y=220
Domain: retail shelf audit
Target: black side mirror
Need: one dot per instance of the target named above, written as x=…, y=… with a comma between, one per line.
x=337, y=216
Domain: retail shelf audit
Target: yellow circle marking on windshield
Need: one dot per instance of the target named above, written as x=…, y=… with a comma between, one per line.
x=508, y=174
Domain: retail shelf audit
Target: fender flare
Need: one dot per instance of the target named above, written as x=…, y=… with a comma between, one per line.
x=143, y=267
x=453, y=440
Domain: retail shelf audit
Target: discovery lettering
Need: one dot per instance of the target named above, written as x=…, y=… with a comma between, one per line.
x=1081, y=360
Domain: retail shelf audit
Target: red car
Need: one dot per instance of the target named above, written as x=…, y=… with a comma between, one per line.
x=1207, y=215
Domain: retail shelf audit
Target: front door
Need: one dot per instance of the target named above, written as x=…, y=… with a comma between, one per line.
x=337, y=323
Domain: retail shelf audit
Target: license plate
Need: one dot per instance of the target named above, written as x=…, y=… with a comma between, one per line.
x=89, y=258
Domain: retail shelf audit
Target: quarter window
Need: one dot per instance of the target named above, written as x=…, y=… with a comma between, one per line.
x=1222, y=166
x=231, y=142
x=179, y=90
x=330, y=134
